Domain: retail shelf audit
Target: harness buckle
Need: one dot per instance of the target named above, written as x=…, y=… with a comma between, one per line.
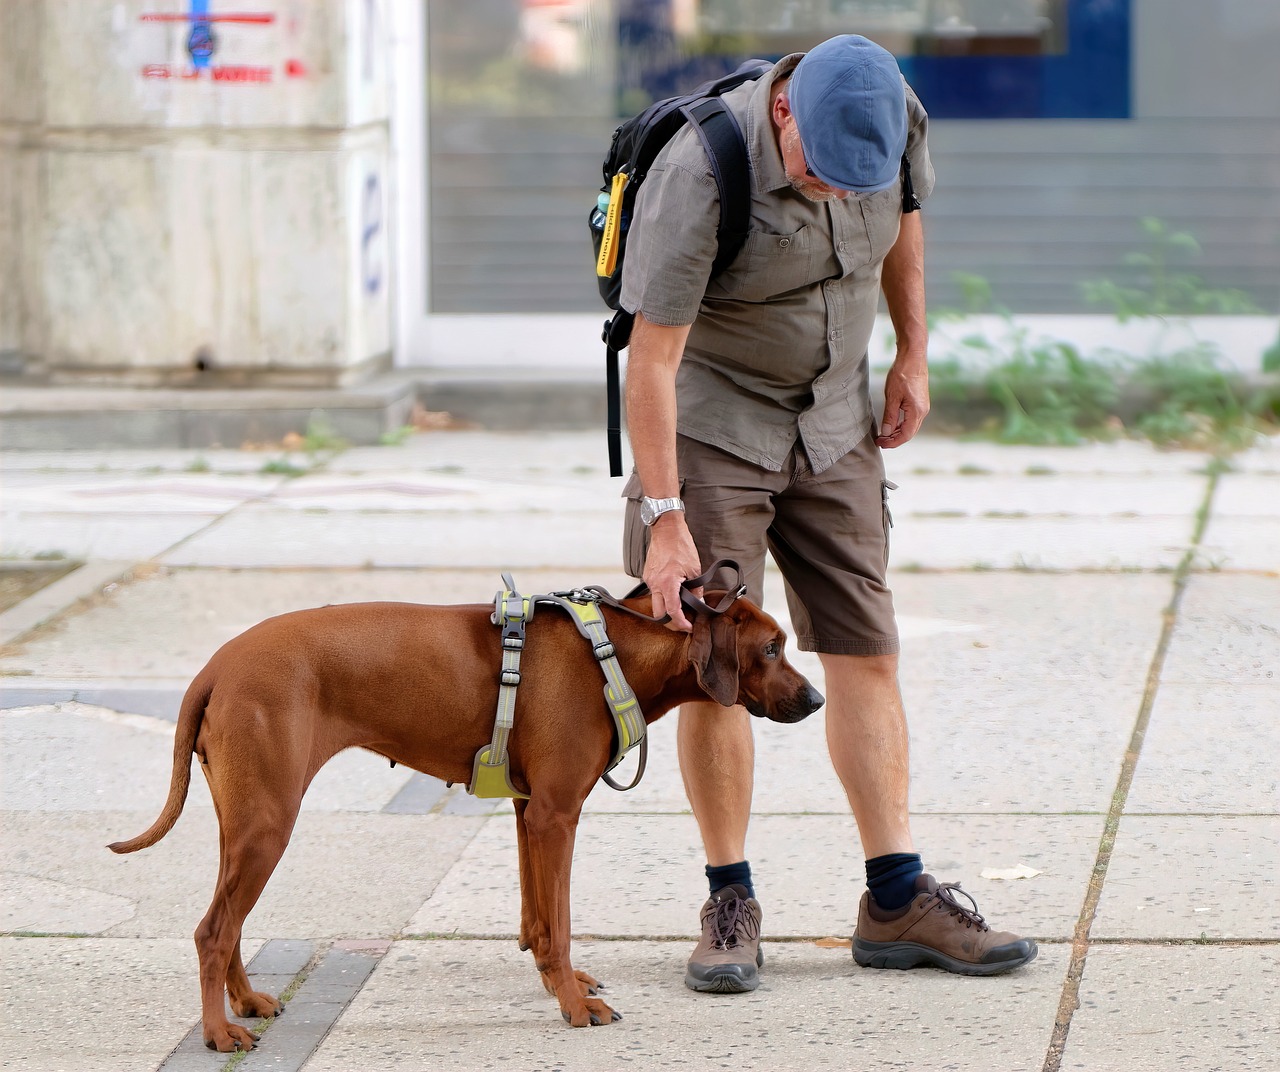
x=604, y=650
x=510, y=677
x=512, y=642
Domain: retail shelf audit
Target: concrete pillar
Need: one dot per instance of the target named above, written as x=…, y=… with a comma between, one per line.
x=195, y=191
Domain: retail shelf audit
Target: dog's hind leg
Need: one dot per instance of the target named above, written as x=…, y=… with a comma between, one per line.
x=256, y=805
x=248, y=858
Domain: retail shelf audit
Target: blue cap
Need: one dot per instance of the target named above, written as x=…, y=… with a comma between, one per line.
x=850, y=108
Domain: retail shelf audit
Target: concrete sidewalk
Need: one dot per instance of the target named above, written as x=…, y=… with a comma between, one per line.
x=1091, y=644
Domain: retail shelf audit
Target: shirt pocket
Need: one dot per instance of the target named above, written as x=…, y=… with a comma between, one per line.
x=771, y=264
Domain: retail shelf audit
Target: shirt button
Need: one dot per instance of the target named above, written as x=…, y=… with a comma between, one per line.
x=843, y=247
x=784, y=242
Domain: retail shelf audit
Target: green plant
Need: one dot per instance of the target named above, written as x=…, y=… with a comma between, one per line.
x=198, y=465
x=1046, y=391
x=1195, y=402
x=321, y=437
x=396, y=436
x=1168, y=291
x=282, y=466
x=1271, y=357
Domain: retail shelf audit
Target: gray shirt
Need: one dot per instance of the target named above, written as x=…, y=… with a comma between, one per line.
x=778, y=343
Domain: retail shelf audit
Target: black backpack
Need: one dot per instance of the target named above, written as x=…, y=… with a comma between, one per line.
x=636, y=143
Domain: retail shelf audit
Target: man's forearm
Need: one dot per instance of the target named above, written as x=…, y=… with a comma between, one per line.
x=903, y=283
x=651, y=404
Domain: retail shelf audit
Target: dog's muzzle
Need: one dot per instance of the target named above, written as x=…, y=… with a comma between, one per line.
x=797, y=706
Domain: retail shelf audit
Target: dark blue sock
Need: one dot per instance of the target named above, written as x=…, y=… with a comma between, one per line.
x=720, y=877
x=892, y=879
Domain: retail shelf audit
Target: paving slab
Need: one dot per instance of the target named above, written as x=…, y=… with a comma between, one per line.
x=1263, y=457
x=77, y=758
x=1029, y=627
x=1039, y=543
x=343, y=875
x=976, y=458
x=450, y=1005
x=1247, y=495
x=807, y=868
x=267, y=536
x=146, y=462
x=88, y=1004
x=1192, y=759
x=1228, y=630
x=134, y=493
x=81, y=537
x=1240, y=544
x=1192, y=877
x=1191, y=1008
x=1108, y=498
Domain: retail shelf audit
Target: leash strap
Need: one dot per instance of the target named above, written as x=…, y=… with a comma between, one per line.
x=490, y=775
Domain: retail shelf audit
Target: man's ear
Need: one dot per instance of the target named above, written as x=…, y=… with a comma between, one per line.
x=713, y=651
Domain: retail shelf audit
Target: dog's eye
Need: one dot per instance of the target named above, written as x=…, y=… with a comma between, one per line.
x=771, y=650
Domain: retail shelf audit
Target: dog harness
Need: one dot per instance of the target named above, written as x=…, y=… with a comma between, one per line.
x=490, y=775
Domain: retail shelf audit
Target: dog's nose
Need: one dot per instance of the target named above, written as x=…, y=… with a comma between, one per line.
x=814, y=699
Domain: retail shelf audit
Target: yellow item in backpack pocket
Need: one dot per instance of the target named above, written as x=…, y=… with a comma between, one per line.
x=608, y=259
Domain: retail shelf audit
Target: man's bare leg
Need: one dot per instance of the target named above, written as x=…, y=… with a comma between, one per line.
x=867, y=738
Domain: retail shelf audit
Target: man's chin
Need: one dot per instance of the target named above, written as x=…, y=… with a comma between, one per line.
x=813, y=191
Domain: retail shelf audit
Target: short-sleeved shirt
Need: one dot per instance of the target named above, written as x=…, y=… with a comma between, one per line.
x=778, y=344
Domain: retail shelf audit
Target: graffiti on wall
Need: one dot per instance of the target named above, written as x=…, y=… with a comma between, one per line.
x=204, y=43
x=370, y=234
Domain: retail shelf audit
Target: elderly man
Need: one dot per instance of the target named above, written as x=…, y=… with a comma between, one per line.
x=752, y=428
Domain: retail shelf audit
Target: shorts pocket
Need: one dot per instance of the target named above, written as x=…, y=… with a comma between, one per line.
x=635, y=534
x=886, y=486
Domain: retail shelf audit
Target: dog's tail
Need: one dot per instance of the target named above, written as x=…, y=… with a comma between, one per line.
x=184, y=743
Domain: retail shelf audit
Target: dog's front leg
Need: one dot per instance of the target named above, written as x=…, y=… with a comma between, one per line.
x=531, y=937
x=533, y=931
x=550, y=831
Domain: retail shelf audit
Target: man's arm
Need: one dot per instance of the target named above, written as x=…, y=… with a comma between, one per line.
x=651, y=425
x=906, y=388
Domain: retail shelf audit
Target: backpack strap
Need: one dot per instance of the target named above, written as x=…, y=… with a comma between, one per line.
x=726, y=149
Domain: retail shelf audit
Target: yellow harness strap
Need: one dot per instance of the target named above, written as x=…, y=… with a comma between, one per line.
x=490, y=775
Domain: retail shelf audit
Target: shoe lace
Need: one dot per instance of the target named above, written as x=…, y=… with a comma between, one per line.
x=732, y=922
x=945, y=895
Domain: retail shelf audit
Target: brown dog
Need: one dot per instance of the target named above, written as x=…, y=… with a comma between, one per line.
x=419, y=685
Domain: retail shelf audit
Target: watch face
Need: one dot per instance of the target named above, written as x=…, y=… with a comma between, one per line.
x=646, y=512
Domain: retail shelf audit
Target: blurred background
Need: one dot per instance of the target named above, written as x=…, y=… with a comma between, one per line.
x=310, y=193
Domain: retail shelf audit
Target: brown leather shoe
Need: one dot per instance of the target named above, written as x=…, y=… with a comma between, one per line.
x=729, y=953
x=936, y=929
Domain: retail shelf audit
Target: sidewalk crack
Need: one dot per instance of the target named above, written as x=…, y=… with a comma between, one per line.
x=1070, y=1000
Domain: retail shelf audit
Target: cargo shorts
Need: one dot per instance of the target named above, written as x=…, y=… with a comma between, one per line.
x=827, y=532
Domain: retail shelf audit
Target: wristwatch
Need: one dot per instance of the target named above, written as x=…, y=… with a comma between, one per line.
x=652, y=509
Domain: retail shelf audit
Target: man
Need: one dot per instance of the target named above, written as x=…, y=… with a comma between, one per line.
x=751, y=426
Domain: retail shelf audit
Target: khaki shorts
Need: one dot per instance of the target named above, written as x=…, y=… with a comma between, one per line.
x=828, y=534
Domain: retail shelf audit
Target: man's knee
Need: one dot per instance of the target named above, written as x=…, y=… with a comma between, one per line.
x=882, y=668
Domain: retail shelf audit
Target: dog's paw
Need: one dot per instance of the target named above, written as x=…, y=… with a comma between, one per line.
x=229, y=1037
x=257, y=1004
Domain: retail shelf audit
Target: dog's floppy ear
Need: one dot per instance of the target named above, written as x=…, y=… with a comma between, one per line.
x=713, y=650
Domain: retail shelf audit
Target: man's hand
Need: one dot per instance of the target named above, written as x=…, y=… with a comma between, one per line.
x=906, y=401
x=672, y=558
